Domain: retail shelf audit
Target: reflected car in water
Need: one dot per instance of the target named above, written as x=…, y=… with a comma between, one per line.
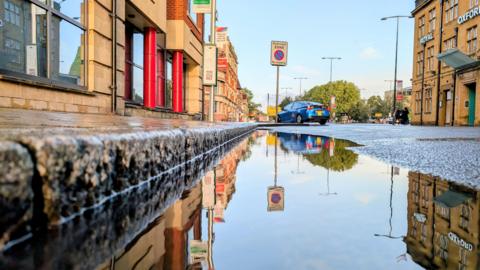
x=305, y=144
x=304, y=111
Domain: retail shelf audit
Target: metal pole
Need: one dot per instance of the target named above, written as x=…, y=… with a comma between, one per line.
x=276, y=170
x=396, y=62
x=213, y=33
x=276, y=97
x=423, y=84
x=331, y=68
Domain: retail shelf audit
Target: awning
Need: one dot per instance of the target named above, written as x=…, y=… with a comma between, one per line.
x=455, y=58
x=451, y=199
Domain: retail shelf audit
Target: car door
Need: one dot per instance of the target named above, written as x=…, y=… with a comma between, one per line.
x=285, y=114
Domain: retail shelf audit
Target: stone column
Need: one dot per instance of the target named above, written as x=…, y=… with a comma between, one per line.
x=178, y=81
x=150, y=67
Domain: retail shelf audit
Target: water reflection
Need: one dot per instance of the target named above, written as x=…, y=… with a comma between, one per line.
x=443, y=223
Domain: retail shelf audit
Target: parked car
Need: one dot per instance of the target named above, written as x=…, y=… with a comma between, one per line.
x=304, y=111
x=305, y=144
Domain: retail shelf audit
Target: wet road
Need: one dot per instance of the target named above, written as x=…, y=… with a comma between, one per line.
x=292, y=201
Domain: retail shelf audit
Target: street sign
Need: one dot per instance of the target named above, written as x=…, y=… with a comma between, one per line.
x=210, y=65
x=202, y=6
x=276, y=199
x=198, y=251
x=279, y=53
x=272, y=112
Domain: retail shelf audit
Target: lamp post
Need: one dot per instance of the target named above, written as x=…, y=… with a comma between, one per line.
x=286, y=88
x=331, y=64
x=300, y=79
x=397, y=17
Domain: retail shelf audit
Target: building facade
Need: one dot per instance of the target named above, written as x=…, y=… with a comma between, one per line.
x=130, y=57
x=229, y=98
x=443, y=223
x=446, y=94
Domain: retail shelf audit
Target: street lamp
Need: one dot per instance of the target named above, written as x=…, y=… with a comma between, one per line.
x=301, y=79
x=397, y=17
x=286, y=88
x=331, y=64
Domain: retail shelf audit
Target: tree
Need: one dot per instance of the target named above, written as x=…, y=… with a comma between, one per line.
x=343, y=159
x=360, y=111
x=379, y=105
x=285, y=102
x=346, y=93
x=252, y=106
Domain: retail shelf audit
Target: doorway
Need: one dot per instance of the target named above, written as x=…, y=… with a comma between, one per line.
x=447, y=107
x=471, y=103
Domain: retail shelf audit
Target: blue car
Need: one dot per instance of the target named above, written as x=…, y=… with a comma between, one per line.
x=304, y=111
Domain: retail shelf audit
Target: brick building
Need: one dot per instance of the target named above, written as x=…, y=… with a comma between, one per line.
x=130, y=57
x=230, y=100
x=443, y=223
x=445, y=92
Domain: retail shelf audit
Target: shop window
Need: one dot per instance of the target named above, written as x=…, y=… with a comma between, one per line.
x=451, y=10
x=472, y=40
x=25, y=39
x=169, y=86
x=134, y=63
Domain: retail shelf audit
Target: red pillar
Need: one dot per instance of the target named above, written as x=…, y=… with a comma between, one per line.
x=160, y=78
x=177, y=81
x=149, y=67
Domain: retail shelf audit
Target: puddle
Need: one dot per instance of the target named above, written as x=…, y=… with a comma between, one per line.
x=276, y=201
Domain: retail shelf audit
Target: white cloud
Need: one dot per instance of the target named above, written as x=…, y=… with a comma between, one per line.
x=369, y=53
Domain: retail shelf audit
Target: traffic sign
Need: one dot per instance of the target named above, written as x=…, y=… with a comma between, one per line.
x=276, y=199
x=279, y=53
x=202, y=6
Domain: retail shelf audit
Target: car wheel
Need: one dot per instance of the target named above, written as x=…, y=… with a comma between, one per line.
x=323, y=122
x=299, y=119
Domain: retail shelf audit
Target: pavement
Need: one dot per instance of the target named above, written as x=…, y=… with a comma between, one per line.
x=452, y=153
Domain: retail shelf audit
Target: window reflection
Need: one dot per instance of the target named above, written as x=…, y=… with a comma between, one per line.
x=23, y=34
x=71, y=8
x=66, y=51
x=169, y=86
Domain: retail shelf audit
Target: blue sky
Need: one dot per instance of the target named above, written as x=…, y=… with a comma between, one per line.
x=350, y=29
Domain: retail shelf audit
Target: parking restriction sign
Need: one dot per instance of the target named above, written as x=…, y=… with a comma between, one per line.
x=279, y=53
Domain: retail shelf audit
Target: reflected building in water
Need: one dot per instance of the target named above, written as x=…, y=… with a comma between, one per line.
x=166, y=244
x=443, y=223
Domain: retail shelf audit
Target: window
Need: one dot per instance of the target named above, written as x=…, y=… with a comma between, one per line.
x=418, y=102
x=462, y=259
x=420, y=63
x=472, y=40
x=134, y=50
x=430, y=59
x=442, y=246
x=169, y=86
x=432, y=15
x=11, y=12
x=473, y=3
x=421, y=26
x=465, y=217
x=451, y=10
x=28, y=47
x=428, y=100
x=191, y=14
x=450, y=43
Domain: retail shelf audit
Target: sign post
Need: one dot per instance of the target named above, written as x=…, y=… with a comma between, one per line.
x=202, y=6
x=278, y=58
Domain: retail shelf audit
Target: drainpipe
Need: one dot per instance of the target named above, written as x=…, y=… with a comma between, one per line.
x=454, y=83
x=423, y=83
x=439, y=65
x=114, y=56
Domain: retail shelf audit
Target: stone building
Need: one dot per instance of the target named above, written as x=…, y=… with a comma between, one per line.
x=443, y=223
x=130, y=57
x=229, y=98
x=446, y=68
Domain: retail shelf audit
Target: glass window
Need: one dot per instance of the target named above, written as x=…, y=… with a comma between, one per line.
x=169, y=86
x=66, y=52
x=24, y=41
x=472, y=40
x=192, y=14
x=137, y=61
x=24, y=38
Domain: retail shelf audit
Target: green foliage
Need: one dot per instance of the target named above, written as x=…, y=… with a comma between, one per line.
x=285, y=102
x=252, y=106
x=360, y=111
x=347, y=95
x=378, y=105
x=342, y=160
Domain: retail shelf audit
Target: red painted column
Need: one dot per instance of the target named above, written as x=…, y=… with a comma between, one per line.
x=149, y=67
x=177, y=81
x=160, y=78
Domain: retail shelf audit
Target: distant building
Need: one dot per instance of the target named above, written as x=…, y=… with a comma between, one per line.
x=229, y=98
x=445, y=93
x=443, y=223
x=404, y=96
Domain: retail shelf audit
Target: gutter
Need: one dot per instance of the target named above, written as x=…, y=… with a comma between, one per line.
x=114, y=56
x=439, y=66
